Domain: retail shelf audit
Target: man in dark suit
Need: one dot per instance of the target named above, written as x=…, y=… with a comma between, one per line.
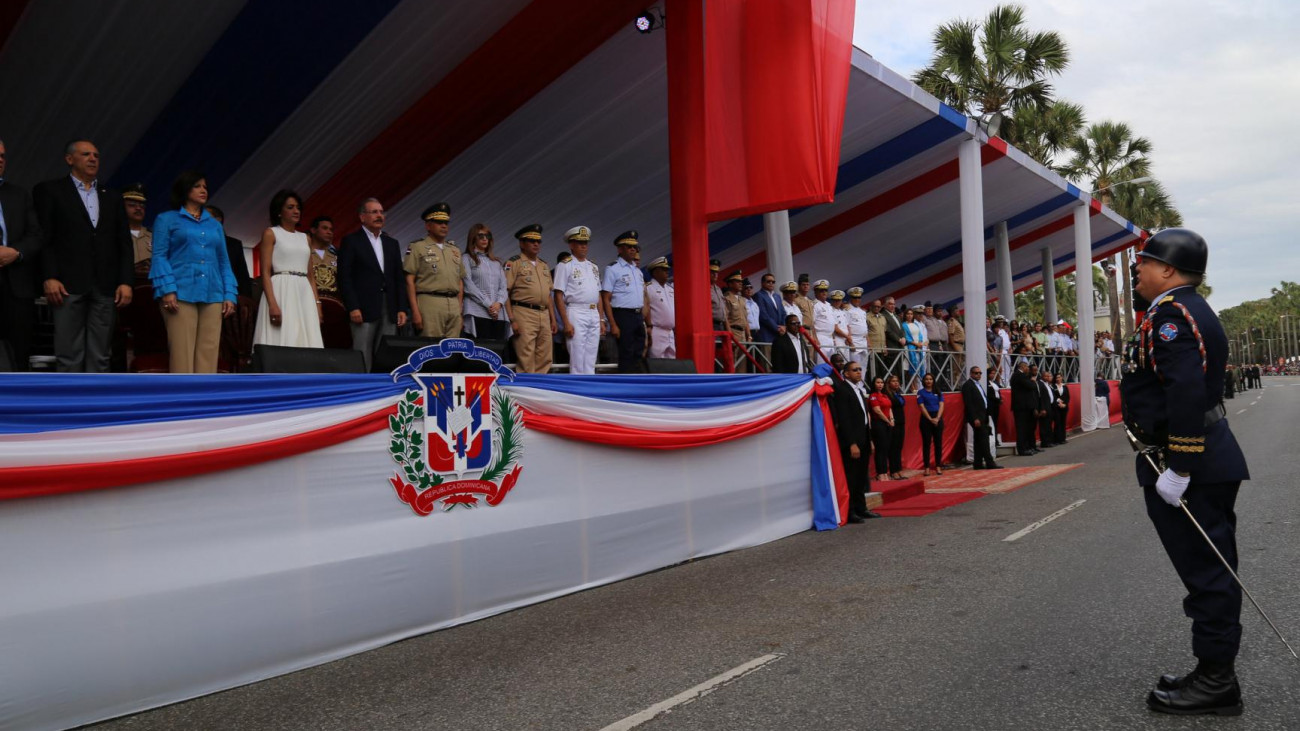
x=1046, y=400
x=975, y=399
x=894, y=340
x=87, y=259
x=849, y=411
x=1024, y=407
x=789, y=354
x=234, y=252
x=371, y=281
x=771, y=311
x=20, y=240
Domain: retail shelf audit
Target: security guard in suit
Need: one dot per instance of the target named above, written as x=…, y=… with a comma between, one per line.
x=1172, y=394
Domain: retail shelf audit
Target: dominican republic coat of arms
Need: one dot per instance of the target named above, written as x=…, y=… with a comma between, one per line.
x=456, y=438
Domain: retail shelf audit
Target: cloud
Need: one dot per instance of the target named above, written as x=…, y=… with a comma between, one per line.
x=1213, y=84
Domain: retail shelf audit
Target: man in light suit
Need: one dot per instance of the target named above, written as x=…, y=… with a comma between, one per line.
x=371, y=281
x=87, y=259
x=20, y=240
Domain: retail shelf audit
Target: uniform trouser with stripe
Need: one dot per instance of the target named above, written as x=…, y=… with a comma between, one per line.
x=1213, y=601
x=585, y=342
x=663, y=344
x=193, y=336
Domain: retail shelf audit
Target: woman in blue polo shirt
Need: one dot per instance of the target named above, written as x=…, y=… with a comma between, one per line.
x=191, y=276
x=930, y=402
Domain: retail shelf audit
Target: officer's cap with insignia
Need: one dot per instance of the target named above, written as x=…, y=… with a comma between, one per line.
x=563, y=257
x=628, y=238
x=578, y=234
x=837, y=294
x=660, y=263
x=134, y=192
x=736, y=276
x=438, y=213
x=789, y=287
x=821, y=284
x=804, y=279
x=747, y=284
x=715, y=265
x=855, y=292
x=531, y=232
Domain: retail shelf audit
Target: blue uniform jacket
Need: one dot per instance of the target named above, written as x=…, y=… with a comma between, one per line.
x=1180, y=358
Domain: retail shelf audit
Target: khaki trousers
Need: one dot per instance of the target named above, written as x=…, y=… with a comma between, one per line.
x=532, y=340
x=193, y=336
x=441, y=315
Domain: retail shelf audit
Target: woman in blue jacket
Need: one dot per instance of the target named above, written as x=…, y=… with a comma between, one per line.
x=191, y=276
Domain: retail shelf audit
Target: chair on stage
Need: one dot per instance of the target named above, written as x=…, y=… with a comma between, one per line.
x=335, y=329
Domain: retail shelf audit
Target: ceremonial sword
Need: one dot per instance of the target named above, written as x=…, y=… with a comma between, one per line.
x=1147, y=453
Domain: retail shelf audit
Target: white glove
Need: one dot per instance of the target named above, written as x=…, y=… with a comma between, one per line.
x=1171, y=486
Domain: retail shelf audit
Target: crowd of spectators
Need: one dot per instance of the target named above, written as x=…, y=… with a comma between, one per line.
x=183, y=289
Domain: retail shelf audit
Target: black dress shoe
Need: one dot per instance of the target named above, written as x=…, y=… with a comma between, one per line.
x=872, y=514
x=1210, y=689
x=1174, y=682
x=1036, y=451
x=1046, y=446
x=855, y=518
x=993, y=467
x=978, y=467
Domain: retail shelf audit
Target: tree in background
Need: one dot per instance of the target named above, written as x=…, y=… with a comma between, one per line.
x=994, y=68
x=1251, y=326
x=1045, y=132
x=1108, y=153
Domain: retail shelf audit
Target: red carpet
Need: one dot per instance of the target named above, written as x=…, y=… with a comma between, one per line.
x=926, y=503
x=891, y=491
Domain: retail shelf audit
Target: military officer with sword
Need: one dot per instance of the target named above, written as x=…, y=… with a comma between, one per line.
x=1172, y=391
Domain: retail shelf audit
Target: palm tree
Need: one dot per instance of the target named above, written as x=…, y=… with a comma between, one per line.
x=994, y=67
x=1044, y=132
x=1105, y=154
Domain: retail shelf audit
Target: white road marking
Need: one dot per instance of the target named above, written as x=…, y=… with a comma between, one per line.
x=693, y=694
x=1242, y=411
x=1035, y=526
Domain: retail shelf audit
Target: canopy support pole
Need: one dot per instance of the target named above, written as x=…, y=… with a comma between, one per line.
x=780, y=255
x=1006, y=287
x=686, y=160
x=971, y=187
x=1083, y=297
x=1049, y=288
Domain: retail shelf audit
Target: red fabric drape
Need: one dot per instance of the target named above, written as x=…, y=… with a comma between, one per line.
x=776, y=82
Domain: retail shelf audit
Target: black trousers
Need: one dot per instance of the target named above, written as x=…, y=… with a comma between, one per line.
x=1025, y=423
x=1213, y=601
x=1058, y=423
x=983, y=457
x=931, y=434
x=485, y=328
x=17, y=325
x=631, y=340
x=1046, y=428
x=858, y=476
x=896, y=435
x=880, y=438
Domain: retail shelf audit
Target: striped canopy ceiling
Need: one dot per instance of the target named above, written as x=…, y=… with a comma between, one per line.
x=515, y=112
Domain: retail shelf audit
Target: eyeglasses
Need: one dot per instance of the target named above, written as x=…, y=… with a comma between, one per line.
x=853, y=370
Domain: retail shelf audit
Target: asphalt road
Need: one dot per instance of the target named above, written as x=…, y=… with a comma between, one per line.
x=902, y=623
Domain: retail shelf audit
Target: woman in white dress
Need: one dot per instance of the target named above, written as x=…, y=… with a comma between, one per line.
x=485, y=288
x=290, y=309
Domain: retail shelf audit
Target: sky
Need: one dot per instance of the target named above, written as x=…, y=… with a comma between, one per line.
x=1213, y=84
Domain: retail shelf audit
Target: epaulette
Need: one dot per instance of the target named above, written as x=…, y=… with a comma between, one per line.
x=1168, y=298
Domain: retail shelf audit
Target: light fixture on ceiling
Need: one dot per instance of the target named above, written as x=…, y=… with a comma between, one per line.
x=649, y=21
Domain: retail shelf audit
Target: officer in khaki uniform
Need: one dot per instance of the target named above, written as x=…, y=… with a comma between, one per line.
x=804, y=302
x=133, y=198
x=433, y=277
x=324, y=257
x=528, y=303
x=737, y=319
